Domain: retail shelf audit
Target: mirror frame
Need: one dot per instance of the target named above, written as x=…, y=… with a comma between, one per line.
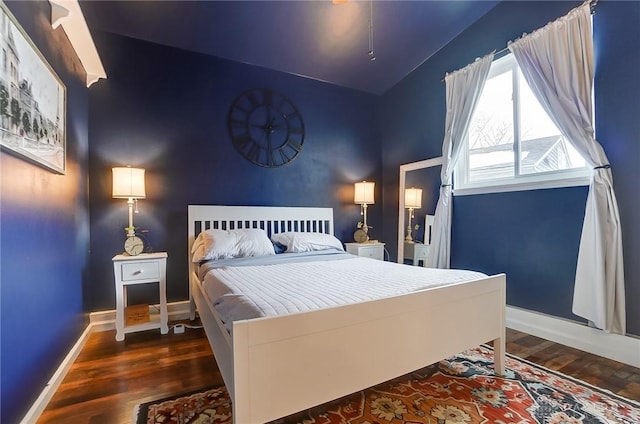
x=412, y=166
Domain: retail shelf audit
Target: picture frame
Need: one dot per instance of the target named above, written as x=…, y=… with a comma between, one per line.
x=32, y=100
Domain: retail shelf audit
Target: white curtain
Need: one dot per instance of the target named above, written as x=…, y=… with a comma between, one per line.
x=557, y=62
x=464, y=88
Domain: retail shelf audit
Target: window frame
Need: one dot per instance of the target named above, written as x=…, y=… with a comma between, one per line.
x=518, y=182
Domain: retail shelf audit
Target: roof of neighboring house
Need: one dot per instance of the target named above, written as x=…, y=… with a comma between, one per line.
x=533, y=152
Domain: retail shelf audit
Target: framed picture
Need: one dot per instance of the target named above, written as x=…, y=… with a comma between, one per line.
x=32, y=100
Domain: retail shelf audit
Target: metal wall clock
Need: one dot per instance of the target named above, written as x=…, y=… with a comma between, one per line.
x=266, y=127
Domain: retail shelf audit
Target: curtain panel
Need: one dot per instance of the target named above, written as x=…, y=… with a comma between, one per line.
x=464, y=88
x=557, y=62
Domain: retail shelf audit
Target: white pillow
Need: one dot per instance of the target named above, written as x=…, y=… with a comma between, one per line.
x=198, y=254
x=223, y=244
x=217, y=244
x=253, y=242
x=297, y=242
x=197, y=243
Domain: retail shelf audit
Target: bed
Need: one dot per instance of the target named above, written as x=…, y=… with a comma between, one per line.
x=275, y=366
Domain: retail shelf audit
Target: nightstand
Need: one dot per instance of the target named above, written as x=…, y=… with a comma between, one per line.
x=141, y=269
x=374, y=250
x=416, y=252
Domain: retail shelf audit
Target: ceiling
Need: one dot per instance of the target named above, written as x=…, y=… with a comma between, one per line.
x=316, y=39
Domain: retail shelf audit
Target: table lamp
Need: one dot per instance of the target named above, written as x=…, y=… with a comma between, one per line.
x=412, y=201
x=363, y=196
x=128, y=183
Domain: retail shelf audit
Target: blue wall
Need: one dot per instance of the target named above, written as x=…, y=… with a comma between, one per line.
x=44, y=237
x=165, y=110
x=533, y=236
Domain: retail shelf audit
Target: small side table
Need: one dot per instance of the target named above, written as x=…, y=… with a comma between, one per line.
x=416, y=252
x=142, y=269
x=370, y=249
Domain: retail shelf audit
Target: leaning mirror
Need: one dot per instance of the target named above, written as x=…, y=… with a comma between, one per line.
x=418, y=197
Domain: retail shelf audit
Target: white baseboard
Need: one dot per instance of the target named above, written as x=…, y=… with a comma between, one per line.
x=570, y=333
x=52, y=385
x=106, y=320
x=98, y=321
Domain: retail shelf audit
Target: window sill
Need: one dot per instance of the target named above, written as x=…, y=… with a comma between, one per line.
x=537, y=185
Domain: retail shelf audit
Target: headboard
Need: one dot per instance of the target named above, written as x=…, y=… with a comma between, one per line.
x=272, y=219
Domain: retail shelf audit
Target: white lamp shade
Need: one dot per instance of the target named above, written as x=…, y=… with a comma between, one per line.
x=128, y=183
x=413, y=198
x=363, y=193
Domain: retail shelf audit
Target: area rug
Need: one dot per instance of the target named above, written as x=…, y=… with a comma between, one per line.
x=459, y=390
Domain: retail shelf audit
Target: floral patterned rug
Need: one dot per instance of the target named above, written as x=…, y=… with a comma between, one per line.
x=458, y=390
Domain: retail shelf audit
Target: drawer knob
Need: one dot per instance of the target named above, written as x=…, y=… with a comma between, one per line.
x=138, y=272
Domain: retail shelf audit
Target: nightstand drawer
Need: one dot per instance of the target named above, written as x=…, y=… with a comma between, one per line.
x=373, y=250
x=416, y=252
x=421, y=251
x=140, y=271
x=370, y=252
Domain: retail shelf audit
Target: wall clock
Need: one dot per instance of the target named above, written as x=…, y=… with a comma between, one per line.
x=266, y=128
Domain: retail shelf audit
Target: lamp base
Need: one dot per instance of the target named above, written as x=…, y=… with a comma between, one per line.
x=408, y=237
x=409, y=218
x=130, y=229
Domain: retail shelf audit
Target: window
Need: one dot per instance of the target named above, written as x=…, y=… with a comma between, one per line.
x=512, y=143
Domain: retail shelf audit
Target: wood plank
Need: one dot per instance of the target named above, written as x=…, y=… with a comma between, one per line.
x=109, y=378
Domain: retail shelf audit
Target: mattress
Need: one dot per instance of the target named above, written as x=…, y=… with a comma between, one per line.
x=289, y=283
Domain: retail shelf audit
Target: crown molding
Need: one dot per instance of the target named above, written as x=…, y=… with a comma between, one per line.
x=67, y=13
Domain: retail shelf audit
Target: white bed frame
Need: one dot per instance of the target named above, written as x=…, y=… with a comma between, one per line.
x=273, y=367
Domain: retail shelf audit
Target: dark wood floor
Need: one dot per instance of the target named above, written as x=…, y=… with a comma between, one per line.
x=109, y=378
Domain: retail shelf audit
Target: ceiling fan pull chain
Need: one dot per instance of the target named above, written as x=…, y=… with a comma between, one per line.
x=372, y=55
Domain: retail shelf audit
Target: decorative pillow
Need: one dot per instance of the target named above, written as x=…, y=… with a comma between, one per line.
x=223, y=244
x=297, y=242
x=217, y=244
x=279, y=248
x=253, y=242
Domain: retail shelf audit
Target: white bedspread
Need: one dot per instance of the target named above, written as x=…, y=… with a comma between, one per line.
x=247, y=292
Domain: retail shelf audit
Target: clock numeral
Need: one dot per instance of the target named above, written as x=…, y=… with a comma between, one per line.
x=254, y=152
x=270, y=159
x=294, y=145
x=285, y=158
x=239, y=109
x=237, y=123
